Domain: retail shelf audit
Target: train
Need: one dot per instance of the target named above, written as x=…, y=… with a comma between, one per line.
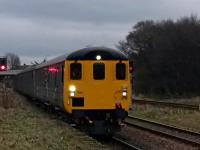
x=91, y=85
x=3, y=63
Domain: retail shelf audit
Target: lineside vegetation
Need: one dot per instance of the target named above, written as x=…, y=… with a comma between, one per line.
x=166, y=56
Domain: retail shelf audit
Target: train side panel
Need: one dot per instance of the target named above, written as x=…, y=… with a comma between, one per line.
x=44, y=84
x=49, y=84
x=24, y=83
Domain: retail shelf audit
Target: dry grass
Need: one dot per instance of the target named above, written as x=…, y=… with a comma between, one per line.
x=23, y=126
x=7, y=98
x=186, y=119
x=193, y=100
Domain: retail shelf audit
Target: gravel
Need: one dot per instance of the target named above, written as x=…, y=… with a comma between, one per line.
x=148, y=141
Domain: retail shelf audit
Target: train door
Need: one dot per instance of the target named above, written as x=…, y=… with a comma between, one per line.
x=59, y=85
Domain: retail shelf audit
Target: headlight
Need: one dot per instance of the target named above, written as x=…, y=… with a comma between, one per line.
x=124, y=93
x=71, y=94
x=98, y=57
x=72, y=88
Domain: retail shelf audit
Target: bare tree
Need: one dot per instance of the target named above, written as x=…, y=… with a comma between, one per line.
x=122, y=46
x=13, y=60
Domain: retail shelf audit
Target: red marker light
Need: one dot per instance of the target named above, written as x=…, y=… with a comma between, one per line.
x=3, y=67
x=53, y=70
x=131, y=67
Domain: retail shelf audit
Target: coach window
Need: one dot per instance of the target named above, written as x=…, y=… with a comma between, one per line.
x=120, y=71
x=75, y=71
x=99, y=71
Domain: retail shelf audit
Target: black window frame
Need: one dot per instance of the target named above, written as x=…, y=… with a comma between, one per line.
x=3, y=61
x=120, y=73
x=77, y=75
x=98, y=72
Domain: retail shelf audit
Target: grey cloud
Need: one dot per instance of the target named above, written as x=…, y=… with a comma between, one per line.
x=42, y=28
x=25, y=37
x=90, y=10
x=99, y=11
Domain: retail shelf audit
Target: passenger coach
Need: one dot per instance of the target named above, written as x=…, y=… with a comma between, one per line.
x=92, y=85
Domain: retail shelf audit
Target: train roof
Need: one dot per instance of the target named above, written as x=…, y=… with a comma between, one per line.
x=89, y=53
x=10, y=72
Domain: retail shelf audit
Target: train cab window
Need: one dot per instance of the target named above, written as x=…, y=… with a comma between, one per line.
x=75, y=71
x=120, y=71
x=99, y=71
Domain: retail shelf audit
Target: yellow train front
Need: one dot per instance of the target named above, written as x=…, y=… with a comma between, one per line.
x=91, y=85
x=97, y=89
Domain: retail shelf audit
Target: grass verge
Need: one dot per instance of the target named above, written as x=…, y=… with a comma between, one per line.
x=23, y=126
x=186, y=119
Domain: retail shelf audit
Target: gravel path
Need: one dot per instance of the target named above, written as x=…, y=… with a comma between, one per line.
x=149, y=141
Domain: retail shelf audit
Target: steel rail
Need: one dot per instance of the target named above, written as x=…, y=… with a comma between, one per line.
x=176, y=105
x=125, y=143
x=187, y=136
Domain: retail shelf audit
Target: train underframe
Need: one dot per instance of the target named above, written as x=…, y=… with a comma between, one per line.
x=100, y=122
x=95, y=122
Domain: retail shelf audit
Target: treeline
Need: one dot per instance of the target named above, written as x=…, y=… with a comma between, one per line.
x=166, y=56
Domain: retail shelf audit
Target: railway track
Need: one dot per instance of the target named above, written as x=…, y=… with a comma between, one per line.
x=125, y=143
x=186, y=136
x=62, y=116
x=169, y=104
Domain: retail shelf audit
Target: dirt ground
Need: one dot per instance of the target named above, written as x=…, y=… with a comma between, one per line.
x=24, y=126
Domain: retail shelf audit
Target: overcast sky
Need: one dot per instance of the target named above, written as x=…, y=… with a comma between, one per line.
x=38, y=29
